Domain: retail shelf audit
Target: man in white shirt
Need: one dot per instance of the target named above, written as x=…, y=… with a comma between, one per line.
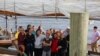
x=95, y=37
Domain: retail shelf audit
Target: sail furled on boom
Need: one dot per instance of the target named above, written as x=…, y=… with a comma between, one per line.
x=33, y=7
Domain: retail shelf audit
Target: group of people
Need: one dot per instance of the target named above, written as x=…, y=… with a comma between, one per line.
x=49, y=43
x=31, y=42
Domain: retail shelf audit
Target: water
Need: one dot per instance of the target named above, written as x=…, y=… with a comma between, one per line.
x=46, y=23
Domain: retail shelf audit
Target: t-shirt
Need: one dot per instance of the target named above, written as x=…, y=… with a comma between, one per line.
x=21, y=38
x=54, y=45
x=39, y=41
x=16, y=35
x=95, y=35
x=47, y=40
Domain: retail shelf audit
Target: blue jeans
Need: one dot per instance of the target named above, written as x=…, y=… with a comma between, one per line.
x=46, y=53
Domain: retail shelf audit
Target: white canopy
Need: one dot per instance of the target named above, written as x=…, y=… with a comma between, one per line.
x=35, y=7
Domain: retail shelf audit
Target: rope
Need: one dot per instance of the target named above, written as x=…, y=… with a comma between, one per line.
x=85, y=6
x=5, y=16
x=15, y=15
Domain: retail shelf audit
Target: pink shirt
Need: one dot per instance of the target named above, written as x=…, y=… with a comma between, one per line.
x=95, y=35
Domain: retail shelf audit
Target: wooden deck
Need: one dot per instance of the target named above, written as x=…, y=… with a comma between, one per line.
x=90, y=53
x=8, y=51
x=5, y=51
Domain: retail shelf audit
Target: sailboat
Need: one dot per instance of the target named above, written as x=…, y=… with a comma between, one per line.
x=5, y=41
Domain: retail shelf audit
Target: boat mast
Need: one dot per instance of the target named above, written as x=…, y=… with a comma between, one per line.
x=85, y=5
x=56, y=8
x=43, y=8
x=43, y=12
x=15, y=16
x=5, y=16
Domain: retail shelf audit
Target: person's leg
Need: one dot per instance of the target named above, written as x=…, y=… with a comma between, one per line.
x=21, y=49
x=40, y=52
x=35, y=52
x=68, y=51
x=44, y=53
x=96, y=47
x=59, y=53
x=27, y=52
x=92, y=47
x=53, y=54
x=64, y=54
x=49, y=53
x=31, y=53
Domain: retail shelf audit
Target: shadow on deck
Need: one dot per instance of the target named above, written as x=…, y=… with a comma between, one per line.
x=94, y=53
x=8, y=51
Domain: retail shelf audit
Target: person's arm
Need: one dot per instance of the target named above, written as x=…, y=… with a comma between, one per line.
x=98, y=37
x=59, y=46
x=44, y=44
x=15, y=36
x=49, y=44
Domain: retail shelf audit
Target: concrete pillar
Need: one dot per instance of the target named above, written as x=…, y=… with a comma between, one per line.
x=78, y=33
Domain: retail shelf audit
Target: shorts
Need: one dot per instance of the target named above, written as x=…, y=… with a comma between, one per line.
x=94, y=45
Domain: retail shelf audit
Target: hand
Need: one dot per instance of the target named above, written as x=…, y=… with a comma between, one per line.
x=45, y=44
x=59, y=47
